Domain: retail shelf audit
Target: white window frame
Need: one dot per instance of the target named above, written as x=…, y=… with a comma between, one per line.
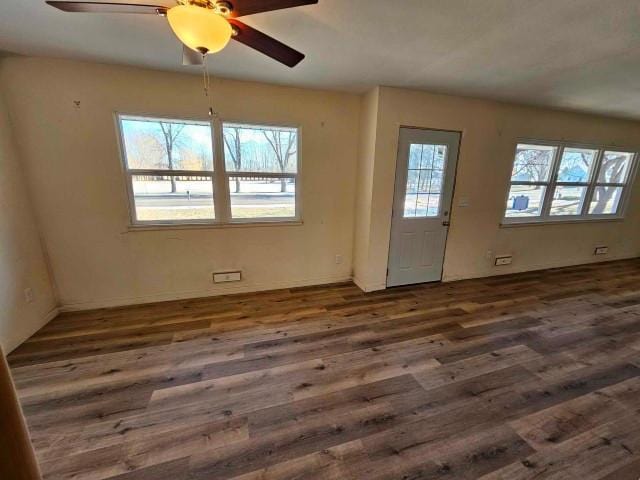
x=219, y=176
x=545, y=216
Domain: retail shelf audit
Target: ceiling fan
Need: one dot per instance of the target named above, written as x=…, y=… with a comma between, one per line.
x=206, y=26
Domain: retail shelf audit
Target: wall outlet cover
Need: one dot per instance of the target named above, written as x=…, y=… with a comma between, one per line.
x=603, y=250
x=223, y=277
x=504, y=260
x=28, y=295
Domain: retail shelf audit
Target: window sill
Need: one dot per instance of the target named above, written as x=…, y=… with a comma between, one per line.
x=533, y=223
x=206, y=226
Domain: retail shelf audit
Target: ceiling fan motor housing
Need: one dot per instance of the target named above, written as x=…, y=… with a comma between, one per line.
x=221, y=7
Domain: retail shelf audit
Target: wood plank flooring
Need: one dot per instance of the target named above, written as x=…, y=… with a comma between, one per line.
x=528, y=376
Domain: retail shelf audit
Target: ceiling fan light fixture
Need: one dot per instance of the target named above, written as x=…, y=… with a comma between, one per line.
x=200, y=29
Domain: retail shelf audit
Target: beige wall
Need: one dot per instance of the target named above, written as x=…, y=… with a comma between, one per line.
x=78, y=189
x=366, y=156
x=489, y=133
x=22, y=262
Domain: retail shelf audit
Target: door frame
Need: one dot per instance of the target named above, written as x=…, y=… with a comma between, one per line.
x=395, y=182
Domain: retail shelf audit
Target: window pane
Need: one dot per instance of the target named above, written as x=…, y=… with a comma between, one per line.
x=532, y=163
x=424, y=180
x=415, y=155
x=576, y=165
x=166, y=144
x=421, y=205
x=435, y=182
x=427, y=156
x=605, y=200
x=249, y=148
x=568, y=200
x=262, y=197
x=428, y=206
x=615, y=167
x=439, y=157
x=525, y=201
x=413, y=179
x=162, y=198
x=410, y=204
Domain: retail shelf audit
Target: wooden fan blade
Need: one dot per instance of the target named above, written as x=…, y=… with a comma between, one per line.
x=191, y=57
x=265, y=44
x=106, y=7
x=240, y=8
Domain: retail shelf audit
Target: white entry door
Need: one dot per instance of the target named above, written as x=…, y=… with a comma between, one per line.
x=425, y=175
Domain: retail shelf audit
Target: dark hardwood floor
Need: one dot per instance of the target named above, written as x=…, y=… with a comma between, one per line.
x=529, y=376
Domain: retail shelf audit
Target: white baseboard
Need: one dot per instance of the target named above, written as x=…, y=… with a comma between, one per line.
x=246, y=287
x=360, y=284
x=214, y=291
x=498, y=271
x=53, y=313
x=16, y=342
x=368, y=287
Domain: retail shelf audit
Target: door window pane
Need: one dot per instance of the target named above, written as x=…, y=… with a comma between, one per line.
x=415, y=156
x=157, y=144
x=605, y=200
x=428, y=205
x=262, y=197
x=525, y=200
x=421, y=205
x=568, y=200
x=435, y=182
x=532, y=163
x=576, y=165
x=413, y=181
x=615, y=167
x=172, y=198
x=410, y=204
x=424, y=180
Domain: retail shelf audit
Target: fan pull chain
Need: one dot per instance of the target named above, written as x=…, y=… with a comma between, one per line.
x=207, y=85
x=205, y=75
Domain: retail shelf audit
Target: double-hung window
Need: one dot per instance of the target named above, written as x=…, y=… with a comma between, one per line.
x=614, y=177
x=563, y=182
x=169, y=167
x=176, y=174
x=261, y=165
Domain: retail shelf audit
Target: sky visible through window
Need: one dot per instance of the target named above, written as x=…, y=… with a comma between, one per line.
x=260, y=149
x=148, y=141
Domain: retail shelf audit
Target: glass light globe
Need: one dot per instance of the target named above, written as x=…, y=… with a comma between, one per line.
x=200, y=29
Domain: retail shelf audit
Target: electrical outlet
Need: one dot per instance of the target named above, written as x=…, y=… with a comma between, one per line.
x=28, y=295
x=503, y=260
x=223, y=277
x=338, y=259
x=601, y=250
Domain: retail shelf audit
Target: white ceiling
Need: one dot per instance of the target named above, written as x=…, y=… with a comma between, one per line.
x=576, y=54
